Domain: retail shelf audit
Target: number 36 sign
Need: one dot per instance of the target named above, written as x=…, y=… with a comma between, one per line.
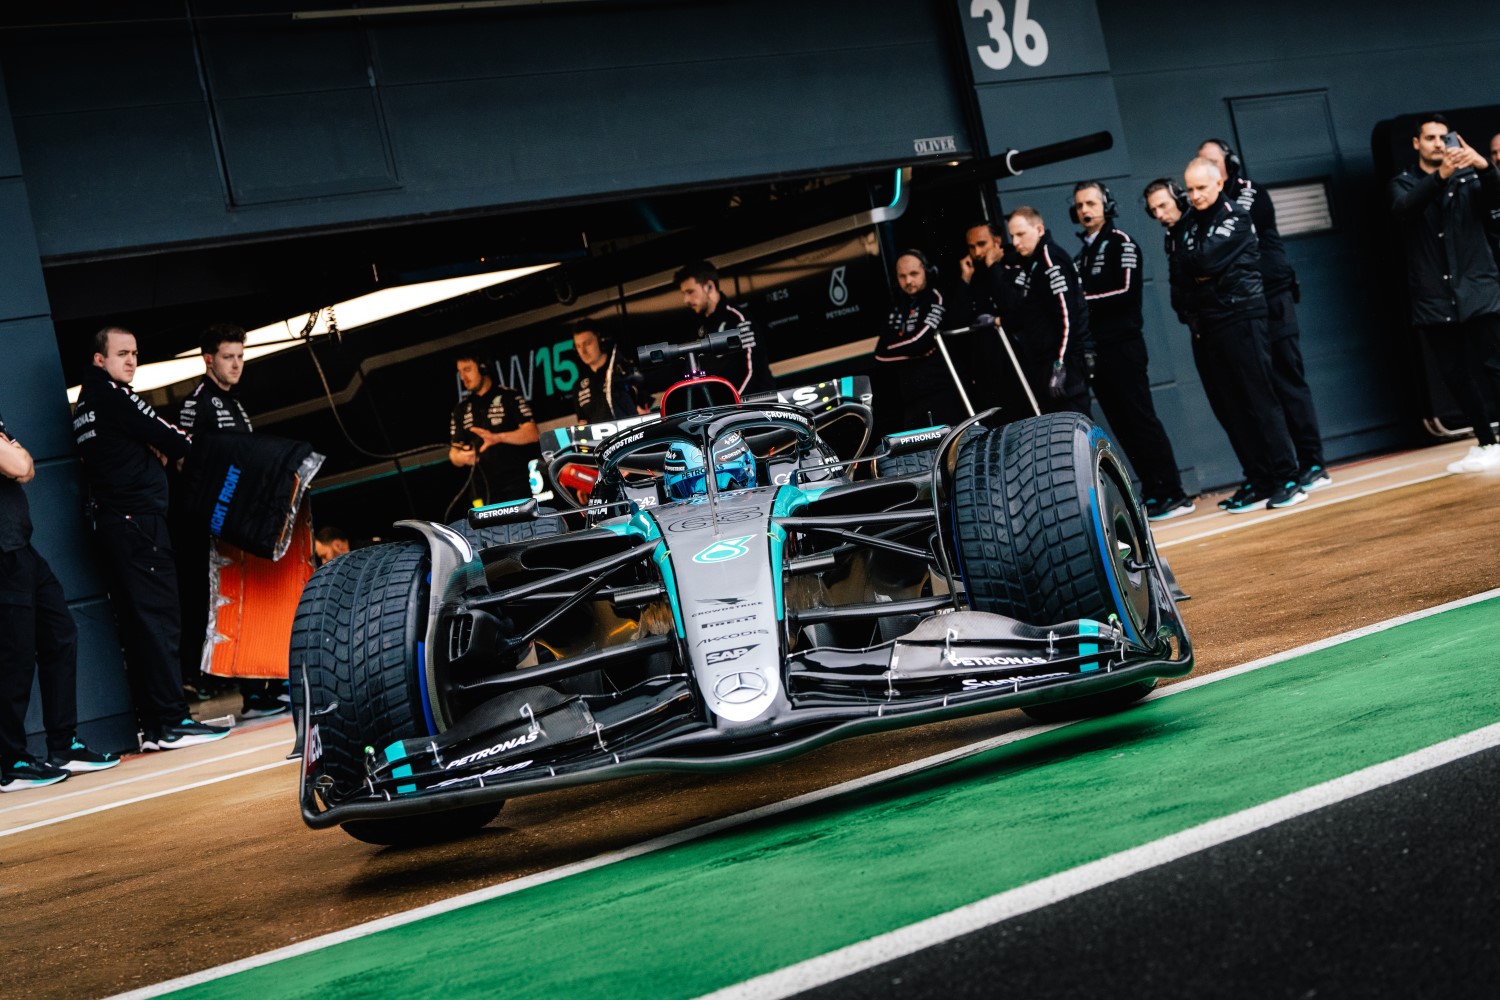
x=1015, y=39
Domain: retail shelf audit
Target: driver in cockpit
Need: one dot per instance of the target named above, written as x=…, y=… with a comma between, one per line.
x=686, y=472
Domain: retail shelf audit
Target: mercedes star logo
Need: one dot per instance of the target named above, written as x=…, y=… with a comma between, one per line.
x=739, y=687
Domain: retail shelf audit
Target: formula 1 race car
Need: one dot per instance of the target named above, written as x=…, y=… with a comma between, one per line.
x=734, y=592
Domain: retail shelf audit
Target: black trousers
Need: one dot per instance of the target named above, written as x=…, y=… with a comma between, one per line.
x=1233, y=362
x=1468, y=358
x=1122, y=385
x=143, y=589
x=37, y=639
x=1290, y=381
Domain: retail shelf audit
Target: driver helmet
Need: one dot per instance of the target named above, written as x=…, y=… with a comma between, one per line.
x=734, y=467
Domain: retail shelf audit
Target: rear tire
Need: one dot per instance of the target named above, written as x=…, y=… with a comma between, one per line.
x=516, y=531
x=1047, y=530
x=910, y=464
x=356, y=636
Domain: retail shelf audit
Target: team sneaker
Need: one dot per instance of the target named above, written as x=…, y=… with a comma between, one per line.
x=186, y=733
x=260, y=705
x=80, y=758
x=1288, y=494
x=19, y=775
x=1165, y=510
x=1314, y=477
x=1244, y=500
x=1481, y=458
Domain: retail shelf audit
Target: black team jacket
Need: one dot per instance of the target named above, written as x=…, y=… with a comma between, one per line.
x=115, y=431
x=1450, y=270
x=1216, y=267
x=1110, y=269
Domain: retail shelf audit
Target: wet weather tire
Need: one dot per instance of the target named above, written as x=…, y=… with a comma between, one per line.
x=1047, y=529
x=356, y=635
x=910, y=464
x=517, y=531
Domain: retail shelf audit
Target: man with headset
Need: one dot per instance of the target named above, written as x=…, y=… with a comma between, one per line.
x=492, y=432
x=912, y=379
x=1282, y=293
x=1217, y=292
x=1109, y=267
x=607, y=389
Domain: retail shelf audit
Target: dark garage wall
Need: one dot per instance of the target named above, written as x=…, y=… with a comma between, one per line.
x=316, y=124
x=1298, y=87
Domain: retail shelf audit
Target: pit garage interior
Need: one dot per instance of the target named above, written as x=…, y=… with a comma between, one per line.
x=182, y=164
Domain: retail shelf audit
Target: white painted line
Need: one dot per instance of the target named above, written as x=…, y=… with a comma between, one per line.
x=1244, y=521
x=90, y=788
x=1056, y=888
x=719, y=825
x=143, y=798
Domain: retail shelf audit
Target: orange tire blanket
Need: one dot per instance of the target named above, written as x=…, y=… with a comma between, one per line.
x=254, y=602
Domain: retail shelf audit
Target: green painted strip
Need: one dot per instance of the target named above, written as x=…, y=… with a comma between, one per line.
x=709, y=913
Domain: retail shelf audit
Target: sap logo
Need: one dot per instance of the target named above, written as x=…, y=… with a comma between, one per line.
x=726, y=655
x=502, y=769
x=501, y=747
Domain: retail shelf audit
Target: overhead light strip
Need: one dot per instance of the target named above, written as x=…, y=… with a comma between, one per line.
x=426, y=8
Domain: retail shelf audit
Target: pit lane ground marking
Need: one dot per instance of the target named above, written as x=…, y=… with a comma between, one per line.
x=1243, y=521
x=106, y=807
x=90, y=788
x=1054, y=889
x=304, y=977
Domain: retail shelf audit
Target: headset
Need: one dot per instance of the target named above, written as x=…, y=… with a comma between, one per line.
x=927, y=266
x=1173, y=188
x=1111, y=207
x=1232, y=162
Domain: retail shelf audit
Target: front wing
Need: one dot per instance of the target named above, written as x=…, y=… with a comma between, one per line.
x=533, y=739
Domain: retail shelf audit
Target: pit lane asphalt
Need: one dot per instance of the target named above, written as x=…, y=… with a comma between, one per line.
x=156, y=889
x=1394, y=893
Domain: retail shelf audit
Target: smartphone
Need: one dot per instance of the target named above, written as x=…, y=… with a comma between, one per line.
x=1451, y=140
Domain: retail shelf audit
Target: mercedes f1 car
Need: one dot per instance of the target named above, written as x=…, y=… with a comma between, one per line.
x=734, y=591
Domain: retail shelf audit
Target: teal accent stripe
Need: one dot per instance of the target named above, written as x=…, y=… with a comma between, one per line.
x=396, y=751
x=1087, y=627
x=778, y=544
x=663, y=558
x=1109, y=565
x=897, y=199
x=846, y=387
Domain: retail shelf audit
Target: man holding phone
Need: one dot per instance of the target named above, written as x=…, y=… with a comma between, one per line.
x=1441, y=204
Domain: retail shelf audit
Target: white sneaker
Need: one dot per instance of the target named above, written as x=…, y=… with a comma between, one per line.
x=1481, y=458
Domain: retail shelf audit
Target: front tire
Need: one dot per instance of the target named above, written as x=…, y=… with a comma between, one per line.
x=356, y=636
x=1047, y=529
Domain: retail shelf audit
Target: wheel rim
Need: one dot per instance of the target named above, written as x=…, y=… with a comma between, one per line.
x=1127, y=551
